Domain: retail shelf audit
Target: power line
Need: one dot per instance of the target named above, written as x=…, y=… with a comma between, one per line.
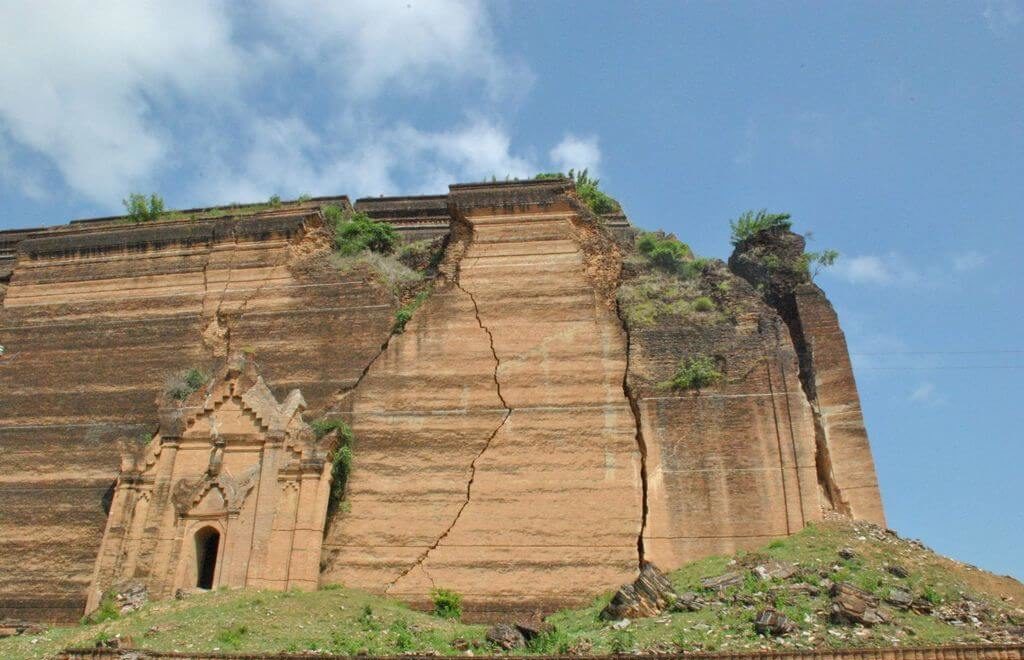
x=1008, y=350
x=979, y=366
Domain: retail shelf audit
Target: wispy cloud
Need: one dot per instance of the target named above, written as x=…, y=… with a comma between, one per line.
x=886, y=269
x=1002, y=16
x=374, y=46
x=203, y=94
x=969, y=260
x=577, y=153
x=80, y=87
x=288, y=157
x=926, y=393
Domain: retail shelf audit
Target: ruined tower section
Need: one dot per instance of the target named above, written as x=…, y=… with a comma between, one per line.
x=772, y=262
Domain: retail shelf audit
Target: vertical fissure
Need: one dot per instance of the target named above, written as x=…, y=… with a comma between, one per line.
x=778, y=440
x=483, y=450
x=641, y=443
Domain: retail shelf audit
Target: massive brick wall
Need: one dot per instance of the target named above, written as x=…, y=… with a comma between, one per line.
x=514, y=443
x=95, y=320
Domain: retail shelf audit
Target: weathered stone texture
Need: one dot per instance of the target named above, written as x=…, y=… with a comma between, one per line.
x=732, y=465
x=495, y=450
x=97, y=318
x=846, y=465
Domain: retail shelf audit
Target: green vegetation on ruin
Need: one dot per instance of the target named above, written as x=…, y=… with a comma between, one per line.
x=405, y=269
x=447, y=603
x=141, y=208
x=347, y=621
x=405, y=312
x=357, y=232
x=181, y=386
x=341, y=457
x=588, y=189
x=752, y=223
x=665, y=280
x=694, y=373
x=806, y=266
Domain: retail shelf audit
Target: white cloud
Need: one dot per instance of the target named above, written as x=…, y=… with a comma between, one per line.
x=117, y=96
x=287, y=157
x=927, y=394
x=969, y=260
x=1002, y=16
x=372, y=46
x=874, y=269
x=81, y=82
x=577, y=153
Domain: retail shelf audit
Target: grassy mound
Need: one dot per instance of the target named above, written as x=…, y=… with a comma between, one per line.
x=967, y=606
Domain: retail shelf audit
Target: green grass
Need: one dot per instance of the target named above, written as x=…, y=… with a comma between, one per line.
x=340, y=620
x=648, y=298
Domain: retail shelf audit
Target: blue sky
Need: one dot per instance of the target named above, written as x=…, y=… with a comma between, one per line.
x=893, y=131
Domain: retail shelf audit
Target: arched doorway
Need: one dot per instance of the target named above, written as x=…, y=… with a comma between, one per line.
x=207, y=544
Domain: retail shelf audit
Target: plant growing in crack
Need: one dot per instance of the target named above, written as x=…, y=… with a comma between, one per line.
x=143, y=209
x=341, y=457
x=358, y=232
x=750, y=224
x=405, y=313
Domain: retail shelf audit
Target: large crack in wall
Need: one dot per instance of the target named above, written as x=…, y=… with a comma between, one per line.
x=472, y=466
x=480, y=501
x=641, y=443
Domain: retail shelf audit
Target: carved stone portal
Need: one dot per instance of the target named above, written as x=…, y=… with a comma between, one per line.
x=232, y=492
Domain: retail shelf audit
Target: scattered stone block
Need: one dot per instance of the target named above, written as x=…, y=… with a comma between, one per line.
x=774, y=623
x=534, y=627
x=506, y=636
x=648, y=595
x=775, y=570
x=689, y=601
x=730, y=579
x=898, y=570
x=851, y=604
x=900, y=599
x=847, y=553
x=131, y=597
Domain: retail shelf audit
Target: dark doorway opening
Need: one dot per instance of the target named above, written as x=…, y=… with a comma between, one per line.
x=207, y=542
